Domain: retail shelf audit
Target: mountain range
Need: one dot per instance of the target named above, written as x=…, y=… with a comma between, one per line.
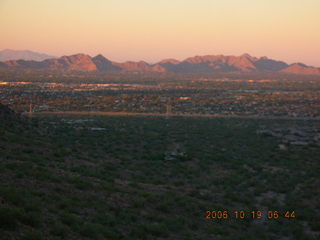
x=8, y=54
x=197, y=64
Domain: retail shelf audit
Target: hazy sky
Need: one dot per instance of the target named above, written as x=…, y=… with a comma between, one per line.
x=155, y=29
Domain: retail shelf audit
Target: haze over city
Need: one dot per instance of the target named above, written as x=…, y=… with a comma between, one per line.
x=150, y=31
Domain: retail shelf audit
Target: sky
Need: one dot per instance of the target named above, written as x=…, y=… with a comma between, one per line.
x=149, y=30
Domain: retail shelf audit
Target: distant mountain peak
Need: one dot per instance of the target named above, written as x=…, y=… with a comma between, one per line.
x=104, y=65
x=77, y=56
x=100, y=57
x=169, y=60
x=246, y=55
x=9, y=54
x=300, y=68
x=299, y=64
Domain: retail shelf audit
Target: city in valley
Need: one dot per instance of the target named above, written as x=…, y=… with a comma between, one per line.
x=177, y=94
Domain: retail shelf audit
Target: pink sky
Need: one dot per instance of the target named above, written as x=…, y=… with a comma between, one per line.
x=152, y=30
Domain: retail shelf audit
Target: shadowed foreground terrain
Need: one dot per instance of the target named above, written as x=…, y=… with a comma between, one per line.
x=144, y=177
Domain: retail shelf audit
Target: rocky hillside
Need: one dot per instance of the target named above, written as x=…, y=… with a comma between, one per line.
x=6, y=113
x=8, y=118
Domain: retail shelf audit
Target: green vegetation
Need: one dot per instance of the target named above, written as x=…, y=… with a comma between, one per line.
x=155, y=178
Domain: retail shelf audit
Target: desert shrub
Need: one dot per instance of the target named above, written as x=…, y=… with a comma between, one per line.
x=33, y=235
x=91, y=230
x=9, y=218
x=59, y=230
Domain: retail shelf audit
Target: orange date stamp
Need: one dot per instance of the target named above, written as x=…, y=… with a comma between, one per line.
x=270, y=214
